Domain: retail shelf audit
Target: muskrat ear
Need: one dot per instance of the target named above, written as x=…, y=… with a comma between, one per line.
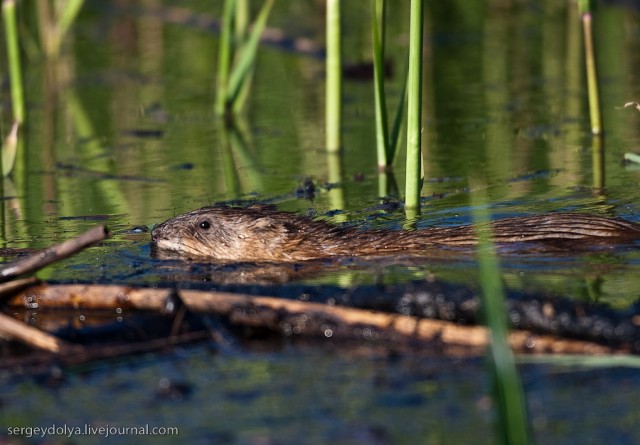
x=264, y=225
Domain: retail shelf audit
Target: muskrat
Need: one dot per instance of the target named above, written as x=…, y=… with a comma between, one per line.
x=263, y=234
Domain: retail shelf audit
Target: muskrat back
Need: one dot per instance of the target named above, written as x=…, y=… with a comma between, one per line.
x=261, y=233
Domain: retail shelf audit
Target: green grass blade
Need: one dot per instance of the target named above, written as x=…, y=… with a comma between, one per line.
x=333, y=106
x=224, y=56
x=13, y=54
x=382, y=132
x=414, y=110
x=247, y=55
x=398, y=120
x=508, y=393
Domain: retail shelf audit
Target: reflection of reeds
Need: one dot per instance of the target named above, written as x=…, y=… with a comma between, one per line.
x=54, y=24
x=334, y=77
x=592, y=74
x=507, y=388
x=9, y=150
x=237, y=158
x=414, y=110
x=10, y=144
x=237, y=56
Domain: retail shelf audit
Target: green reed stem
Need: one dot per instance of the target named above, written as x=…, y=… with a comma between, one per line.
x=508, y=393
x=333, y=116
x=13, y=54
x=224, y=56
x=591, y=66
x=378, y=26
x=241, y=31
x=414, y=109
x=241, y=21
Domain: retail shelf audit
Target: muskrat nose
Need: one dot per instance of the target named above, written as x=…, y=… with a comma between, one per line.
x=155, y=233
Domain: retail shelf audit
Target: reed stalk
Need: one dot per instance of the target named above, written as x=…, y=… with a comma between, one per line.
x=241, y=31
x=13, y=54
x=591, y=67
x=414, y=110
x=378, y=27
x=507, y=387
x=333, y=116
x=224, y=56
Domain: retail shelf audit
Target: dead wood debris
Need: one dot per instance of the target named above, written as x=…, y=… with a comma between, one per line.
x=292, y=317
x=60, y=251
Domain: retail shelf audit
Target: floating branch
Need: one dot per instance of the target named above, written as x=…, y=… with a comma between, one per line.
x=299, y=317
x=16, y=330
x=12, y=287
x=44, y=258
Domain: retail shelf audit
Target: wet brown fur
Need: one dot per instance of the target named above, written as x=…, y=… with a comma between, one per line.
x=261, y=233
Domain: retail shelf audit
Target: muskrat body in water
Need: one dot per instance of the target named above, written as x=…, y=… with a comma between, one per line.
x=263, y=234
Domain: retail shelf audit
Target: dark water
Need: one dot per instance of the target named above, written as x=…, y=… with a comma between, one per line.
x=121, y=130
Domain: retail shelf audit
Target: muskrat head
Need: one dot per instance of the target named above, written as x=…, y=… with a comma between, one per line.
x=225, y=233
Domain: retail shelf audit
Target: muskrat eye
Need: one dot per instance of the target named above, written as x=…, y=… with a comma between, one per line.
x=204, y=225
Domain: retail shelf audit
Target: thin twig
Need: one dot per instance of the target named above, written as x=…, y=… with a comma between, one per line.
x=12, y=287
x=78, y=356
x=16, y=330
x=54, y=253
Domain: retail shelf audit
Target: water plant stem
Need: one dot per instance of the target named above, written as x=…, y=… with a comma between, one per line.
x=334, y=77
x=414, y=109
x=224, y=56
x=382, y=132
x=592, y=74
x=508, y=393
x=13, y=54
